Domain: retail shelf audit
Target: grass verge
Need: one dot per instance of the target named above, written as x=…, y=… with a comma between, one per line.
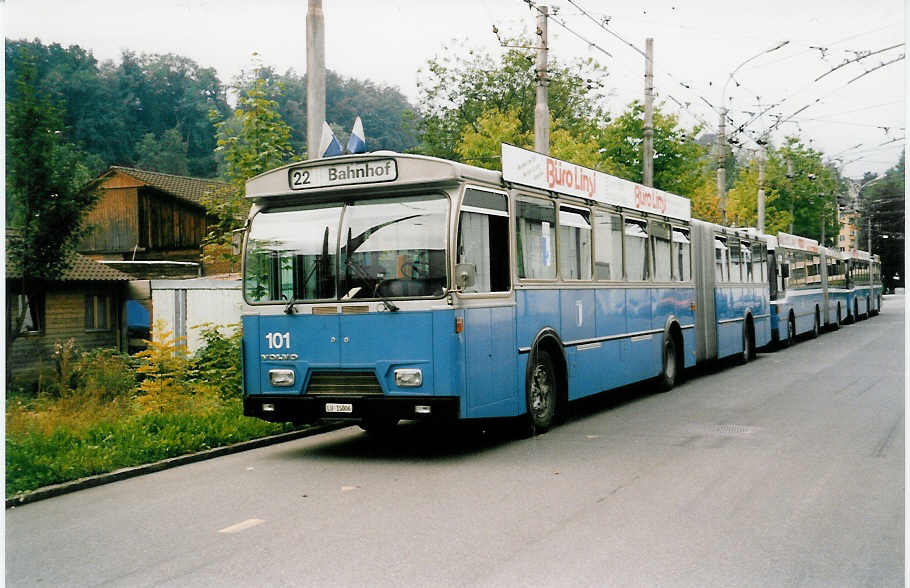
x=47, y=443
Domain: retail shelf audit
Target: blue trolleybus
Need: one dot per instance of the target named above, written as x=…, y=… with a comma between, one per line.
x=384, y=286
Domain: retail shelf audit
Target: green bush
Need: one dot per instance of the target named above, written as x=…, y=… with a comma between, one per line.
x=106, y=374
x=218, y=361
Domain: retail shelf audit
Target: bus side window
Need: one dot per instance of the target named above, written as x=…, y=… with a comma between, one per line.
x=636, y=249
x=660, y=246
x=574, y=243
x=536, y=227
x=758, y=258
x=483, y=240
x=735, y=254
x=682, y=255
x=721, y=273
x=607, y=245
x=747, y=262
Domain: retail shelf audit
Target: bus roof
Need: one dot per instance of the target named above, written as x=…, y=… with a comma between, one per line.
x=534, y=169
x=380, y=169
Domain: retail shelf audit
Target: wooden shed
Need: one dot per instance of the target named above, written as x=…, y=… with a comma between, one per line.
x=149, y=216
x=84, y=303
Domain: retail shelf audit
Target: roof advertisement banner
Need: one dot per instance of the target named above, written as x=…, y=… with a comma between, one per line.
x=548, y=173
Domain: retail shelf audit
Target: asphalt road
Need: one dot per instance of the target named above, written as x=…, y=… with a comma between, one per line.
x=786, y=472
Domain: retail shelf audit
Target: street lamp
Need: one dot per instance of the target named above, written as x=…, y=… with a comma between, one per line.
x=721, y=132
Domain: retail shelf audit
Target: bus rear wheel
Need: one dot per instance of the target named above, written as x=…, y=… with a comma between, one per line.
x=790, y=337
x=670, y=368
x=748, y=353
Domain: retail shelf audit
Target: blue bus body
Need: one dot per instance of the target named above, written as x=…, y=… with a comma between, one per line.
x=383, y=286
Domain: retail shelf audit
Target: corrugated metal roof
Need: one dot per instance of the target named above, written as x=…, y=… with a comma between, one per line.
x=183, y=187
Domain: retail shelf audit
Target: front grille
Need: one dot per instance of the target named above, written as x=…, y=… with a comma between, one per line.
x=341, y=383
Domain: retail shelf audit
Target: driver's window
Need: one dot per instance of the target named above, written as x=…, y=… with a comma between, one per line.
x=483, y=239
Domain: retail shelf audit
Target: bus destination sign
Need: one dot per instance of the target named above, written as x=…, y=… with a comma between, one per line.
x=342, y=174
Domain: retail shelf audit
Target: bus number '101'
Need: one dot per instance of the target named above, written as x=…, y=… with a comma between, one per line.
x=300, y=178
x=279, y=340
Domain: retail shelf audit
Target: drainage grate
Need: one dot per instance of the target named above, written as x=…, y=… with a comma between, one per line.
x=730, y=429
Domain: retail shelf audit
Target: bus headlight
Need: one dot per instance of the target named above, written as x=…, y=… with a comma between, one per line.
x=408, y=377
x=281, y=378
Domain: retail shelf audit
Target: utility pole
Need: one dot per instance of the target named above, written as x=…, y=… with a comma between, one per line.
x=647, y=158
x=721, y=170
x=761, y=190
x=315, y=77
x=542, y=110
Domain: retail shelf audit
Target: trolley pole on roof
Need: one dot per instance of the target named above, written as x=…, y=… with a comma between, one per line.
x=542, y=110
x=647, y=159
x=315, y=77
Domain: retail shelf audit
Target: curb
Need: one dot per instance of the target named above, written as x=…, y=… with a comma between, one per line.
x=164, y=464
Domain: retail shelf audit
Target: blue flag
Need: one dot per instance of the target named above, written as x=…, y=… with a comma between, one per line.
x=357, y=143
x=329, y=146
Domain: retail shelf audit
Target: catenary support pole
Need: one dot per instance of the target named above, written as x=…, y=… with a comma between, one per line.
x=541, y=109
x=647, y=156
x=315, y=77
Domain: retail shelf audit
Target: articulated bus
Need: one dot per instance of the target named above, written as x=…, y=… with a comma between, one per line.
x=864, y=283
x=385, y=286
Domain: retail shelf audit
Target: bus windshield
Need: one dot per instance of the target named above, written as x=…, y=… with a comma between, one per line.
x=389, y=247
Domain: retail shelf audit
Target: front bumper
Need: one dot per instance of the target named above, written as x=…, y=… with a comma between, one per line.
x=308, y=409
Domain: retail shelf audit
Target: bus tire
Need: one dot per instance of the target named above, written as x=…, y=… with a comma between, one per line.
x=748, y=352
x=540, y=393
x=790, y=336
x=669, y=372
x=816, y=326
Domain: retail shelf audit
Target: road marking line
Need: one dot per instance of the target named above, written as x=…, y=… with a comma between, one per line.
x=249, y=523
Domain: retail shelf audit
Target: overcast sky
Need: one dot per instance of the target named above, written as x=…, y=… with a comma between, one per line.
x=698, y=43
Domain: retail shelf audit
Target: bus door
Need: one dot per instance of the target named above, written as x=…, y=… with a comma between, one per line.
x=489, y=347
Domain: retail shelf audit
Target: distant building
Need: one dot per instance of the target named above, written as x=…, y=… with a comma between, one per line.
x=849, y=222
x=154, y=218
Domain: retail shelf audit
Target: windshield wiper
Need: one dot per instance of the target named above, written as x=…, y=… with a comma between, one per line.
x=349, y=262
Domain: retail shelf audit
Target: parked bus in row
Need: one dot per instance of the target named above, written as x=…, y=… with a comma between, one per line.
x=385, y=286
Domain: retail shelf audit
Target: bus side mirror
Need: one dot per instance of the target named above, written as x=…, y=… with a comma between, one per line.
x=465, y=275
x=237, y=240
x=785, y=270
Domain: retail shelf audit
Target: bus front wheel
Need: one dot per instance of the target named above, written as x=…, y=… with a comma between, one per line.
x=541, y=393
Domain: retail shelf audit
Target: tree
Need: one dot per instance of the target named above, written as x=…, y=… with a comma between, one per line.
x=253, y=140
x=460, y=94
x=679, y=165
x=705, y=203
x=795, y=202
x=167, y=153
x=883, y=205
x=742, y=201
x=45, y=180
